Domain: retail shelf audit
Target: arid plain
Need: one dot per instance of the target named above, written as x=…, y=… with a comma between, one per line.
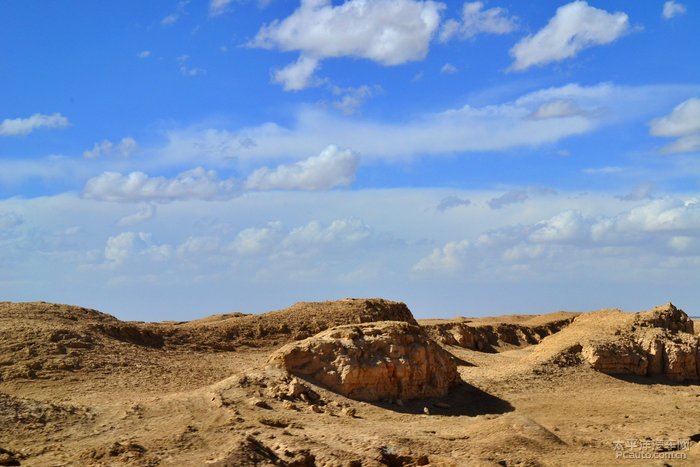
x=355, y=382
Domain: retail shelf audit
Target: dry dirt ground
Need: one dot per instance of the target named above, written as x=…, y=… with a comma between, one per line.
x=81, y=388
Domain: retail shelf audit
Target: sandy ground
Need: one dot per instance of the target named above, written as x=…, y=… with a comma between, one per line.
x=120, y=403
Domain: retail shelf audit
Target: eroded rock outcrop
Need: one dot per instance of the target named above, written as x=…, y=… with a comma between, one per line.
x=496, y=336
x=658, y=342
x=387, y=360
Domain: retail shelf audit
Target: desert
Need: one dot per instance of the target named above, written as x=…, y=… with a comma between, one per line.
x=352, y=382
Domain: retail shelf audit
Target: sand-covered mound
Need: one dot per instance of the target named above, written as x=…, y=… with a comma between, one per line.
x=301, y=320
x=388, y=360
x=44, y=339
x=655, y=342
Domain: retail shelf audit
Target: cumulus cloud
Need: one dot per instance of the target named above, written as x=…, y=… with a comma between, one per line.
x=333, y=167
x=476, y=20
x=120, y=247
x=389, y=32
x=197, y=183
x=144, y=54
x=672, y=9
x=309, y=238
x=198, y=246
x=448, y=258
x=123, y=148
x=126, y=245
x=666, y=226
x=298, y=75
x=682, y=123
x=24, y=126
x=574, y=27
x=256, y=240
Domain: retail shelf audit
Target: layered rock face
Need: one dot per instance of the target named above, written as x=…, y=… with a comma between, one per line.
x=659, y=342
x=490, y=337
x=387, y=360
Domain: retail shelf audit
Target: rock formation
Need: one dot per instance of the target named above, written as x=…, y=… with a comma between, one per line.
x=658, y=342
x=489, y=337
x=388, y=360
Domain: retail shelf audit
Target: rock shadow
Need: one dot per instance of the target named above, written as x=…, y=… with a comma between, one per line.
x=462, y=400
x=649, y=380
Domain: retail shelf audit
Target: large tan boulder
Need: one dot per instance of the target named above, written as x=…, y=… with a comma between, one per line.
x=386, y=360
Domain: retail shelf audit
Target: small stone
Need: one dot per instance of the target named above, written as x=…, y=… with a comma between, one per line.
x=316, y=408
x=426, y=410
x=349, y=412
x=255, y=402
x=289, y=405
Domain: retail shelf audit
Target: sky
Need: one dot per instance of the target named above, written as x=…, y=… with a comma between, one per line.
x=166, y=160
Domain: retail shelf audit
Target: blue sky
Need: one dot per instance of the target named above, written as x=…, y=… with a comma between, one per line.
x=167, y=160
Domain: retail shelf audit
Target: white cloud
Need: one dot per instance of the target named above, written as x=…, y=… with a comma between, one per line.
x=557, y=251
x=469, y=128
x=333, y=167
x=476, y=20
x=458, y=130
x=120, y=247
x=185, y=69
x=659, y=226
x=558, y=109
x=217, y=7
x=197, y=183
x=607, y=170
x=672, y=9
x=127, y=245
x=683, y=123
x=566, y=226
x=169, y=19
x=255, y=241
x=24, y=126
x=123, y=148
x=142, y=215
x=198, y=246
x=574, y=27
x=448, y=258
x=298, y=75
x=351, y=99
x=144, y=54
x=448, y=69
x=389, y=32
x=339, y=233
